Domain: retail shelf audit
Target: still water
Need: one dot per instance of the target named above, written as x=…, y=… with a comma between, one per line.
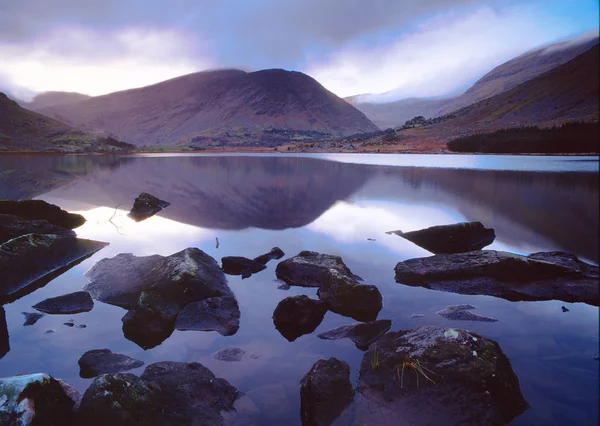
x=331, y=204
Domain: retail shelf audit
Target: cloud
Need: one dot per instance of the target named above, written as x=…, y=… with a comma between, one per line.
x=93, y=62
x=441, y=56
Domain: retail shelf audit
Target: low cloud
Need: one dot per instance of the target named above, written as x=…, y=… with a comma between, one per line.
x=440, y=57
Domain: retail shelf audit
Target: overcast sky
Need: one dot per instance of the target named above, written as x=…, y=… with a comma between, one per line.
x=414, y=48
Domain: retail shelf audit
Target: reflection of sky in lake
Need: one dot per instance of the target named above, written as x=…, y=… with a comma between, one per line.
x=330, y=207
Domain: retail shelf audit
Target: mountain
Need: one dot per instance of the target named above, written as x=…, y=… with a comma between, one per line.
x=223, y=107
x=24, y=130
x=48, y=99
x=502, y=78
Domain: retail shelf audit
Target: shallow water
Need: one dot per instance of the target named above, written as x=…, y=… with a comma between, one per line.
x=331, y=204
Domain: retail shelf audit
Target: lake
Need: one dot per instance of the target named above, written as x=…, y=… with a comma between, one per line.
x=331, y=203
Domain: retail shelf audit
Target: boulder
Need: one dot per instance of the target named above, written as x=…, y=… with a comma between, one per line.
x=431, y=375
x=102, y=361
x=145, y=206
x=155, y=289
x=325, y=391
x=539, y=276
x=346, y=297
x=362, y=334
x=238, y=265
x=120, y=399
x=456, y=238
x=36, y=399
x=298, y=315
x=41, y=210
x=34, y=259
x=233, y=354
x=307, y=268
x=275, y=253
x=190, y=393
x=72, y=303
x=462, y=313
x=31, y=317
x=220, y=314
x=14, y=226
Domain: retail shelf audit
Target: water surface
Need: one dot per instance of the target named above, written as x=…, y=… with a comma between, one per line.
x=331, y=204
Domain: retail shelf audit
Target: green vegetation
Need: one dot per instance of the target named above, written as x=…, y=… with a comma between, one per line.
x=573, y=137
x=415, y=365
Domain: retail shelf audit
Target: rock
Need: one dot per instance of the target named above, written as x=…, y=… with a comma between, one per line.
x=34, y=259
x=69, y=323
x=190, y=393
x=4, y=337
x=298, y=315
x=155, y=289
x=233, y=354
x=461, y=312
x=50, y=331
x=456, y=238
x=275, y=253
x=72, y=303
x=325, y=391
x=283, y=286
x=346, y=297
x=461, y=378
x=220, y=314
x=34, y=399
x=362, y=334
x=14, y=226
x=81, y=326
x=120, y=399
x=238, y=265
x=41, y=210
x=417, y=316
x=102, y=361
x=31, y=318
x=562, y=308
x=145, y=206
x=71, y=392
x=539, y=276
x=307, y=268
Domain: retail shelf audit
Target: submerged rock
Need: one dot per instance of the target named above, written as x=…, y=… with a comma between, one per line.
x=233, y=354
x=564, y=309
x=155, y=289
x=362, y=334
x=539, y=276
x=325, y=391
x=298, y=315
x=308, y=267
x=461, y=313
x=238, y=265
x=35, y=399
x=145, y=206
x=31, y=318
x=432, y=375
x=33, y=259
x=41, y=210
x=13, y=227
x=275, y=253
x=102, y=361
x=456, y=238
x=220, y=314
x=346, y=297
x=72, y=303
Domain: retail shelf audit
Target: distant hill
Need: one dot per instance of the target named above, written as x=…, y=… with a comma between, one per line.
x=48, y=99
x=223, y=107
x=502, y=78
x=24, y=130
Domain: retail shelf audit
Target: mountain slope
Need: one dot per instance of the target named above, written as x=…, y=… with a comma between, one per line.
x=24, y=130
x=47, y=99
x=229, y=106
x=502, y=78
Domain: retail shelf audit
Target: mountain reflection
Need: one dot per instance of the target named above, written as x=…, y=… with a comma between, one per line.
x=527, y=209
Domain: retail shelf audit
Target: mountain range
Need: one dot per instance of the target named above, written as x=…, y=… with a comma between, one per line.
x=269, y=108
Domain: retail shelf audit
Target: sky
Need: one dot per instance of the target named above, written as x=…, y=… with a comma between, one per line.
x=400, y=48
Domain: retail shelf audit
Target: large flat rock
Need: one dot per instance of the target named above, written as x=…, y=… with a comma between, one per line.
x=14, y=226
x=103, y=361
x=31, y=258
x=307, y=268
x=41, y=210
x=72, y=303
x=539, y=276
